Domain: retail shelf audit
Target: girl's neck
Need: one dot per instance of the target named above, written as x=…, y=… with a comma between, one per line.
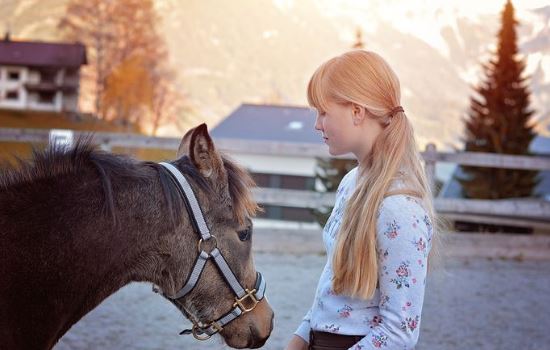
x=363, y=165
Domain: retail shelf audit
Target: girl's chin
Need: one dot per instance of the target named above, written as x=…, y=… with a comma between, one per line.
x=334, y=152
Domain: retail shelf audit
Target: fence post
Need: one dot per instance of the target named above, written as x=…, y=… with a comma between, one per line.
x=60, y=138
x=430, y=158
x=104, y=146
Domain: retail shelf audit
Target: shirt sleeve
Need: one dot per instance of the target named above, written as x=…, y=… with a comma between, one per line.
x=403, y=241
x=305, y=327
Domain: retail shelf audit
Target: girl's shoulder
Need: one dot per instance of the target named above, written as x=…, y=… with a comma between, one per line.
x=348, y=180
x=405, y=212
x=401, y=205
x=352, y=174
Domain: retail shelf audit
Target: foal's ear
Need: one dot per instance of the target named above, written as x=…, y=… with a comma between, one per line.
x=202, y=152
x=183, y=149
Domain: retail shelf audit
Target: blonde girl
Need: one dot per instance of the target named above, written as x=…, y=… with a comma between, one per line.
x=380, y=233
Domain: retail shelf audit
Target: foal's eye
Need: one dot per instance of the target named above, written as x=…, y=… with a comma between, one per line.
x=244, y=235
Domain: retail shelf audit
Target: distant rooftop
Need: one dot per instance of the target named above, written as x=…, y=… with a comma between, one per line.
x=270, y=123
x=41, y=54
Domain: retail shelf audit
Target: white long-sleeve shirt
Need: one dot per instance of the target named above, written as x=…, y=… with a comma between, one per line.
x=391, y=318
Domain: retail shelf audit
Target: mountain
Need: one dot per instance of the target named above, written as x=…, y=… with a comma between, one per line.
x=230, y=52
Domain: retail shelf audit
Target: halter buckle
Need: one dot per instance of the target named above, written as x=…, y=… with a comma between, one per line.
x=217, y=326
x=250, y=303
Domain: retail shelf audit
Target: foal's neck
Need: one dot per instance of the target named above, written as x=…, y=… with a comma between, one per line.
x=82, y=259
x=115, y=255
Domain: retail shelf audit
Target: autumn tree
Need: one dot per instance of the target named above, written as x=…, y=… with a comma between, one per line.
x=169, y=104
x=129, y=91
x=127, y=55
x=90, y=22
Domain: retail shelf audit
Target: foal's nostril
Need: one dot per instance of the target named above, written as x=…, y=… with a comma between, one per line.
x=255, y=339
x=260, y=343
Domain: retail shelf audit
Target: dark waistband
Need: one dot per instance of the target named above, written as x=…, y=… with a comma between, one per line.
x=326, y=340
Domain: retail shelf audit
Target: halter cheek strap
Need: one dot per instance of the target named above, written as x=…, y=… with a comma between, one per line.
x=193, y=207
x=245, y=300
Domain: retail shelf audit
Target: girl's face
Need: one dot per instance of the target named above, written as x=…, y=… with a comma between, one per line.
x=347, y=128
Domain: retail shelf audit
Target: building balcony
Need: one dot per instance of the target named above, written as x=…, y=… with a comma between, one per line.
x=51, y=86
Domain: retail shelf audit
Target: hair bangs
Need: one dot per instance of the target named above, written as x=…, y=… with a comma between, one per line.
x=318, y=89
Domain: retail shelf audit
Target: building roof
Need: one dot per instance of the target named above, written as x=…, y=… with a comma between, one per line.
x=270, y=123
x=540, y=146
x=41, y=54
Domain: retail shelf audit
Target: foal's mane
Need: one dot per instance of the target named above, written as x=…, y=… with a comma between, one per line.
x=55, y=161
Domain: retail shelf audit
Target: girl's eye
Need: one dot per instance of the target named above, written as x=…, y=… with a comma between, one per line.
x=245, y=234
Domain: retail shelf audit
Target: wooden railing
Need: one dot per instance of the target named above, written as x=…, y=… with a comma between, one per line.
x=519, y=212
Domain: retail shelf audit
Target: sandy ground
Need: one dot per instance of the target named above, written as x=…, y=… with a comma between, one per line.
x=470, y=303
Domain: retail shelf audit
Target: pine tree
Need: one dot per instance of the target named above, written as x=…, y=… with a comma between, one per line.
x=499, y=121
x=359, y=43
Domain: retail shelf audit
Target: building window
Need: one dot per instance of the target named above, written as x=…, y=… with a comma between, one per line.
x=48, y=75
x=275, y=212
x=13, y=75
x=297, y=214
x=293, y=182
x=262, y=180
x=46, y=97
x=12, y=95
x=290, y=182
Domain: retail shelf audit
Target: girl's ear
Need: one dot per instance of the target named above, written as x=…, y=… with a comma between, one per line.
x=358, y=113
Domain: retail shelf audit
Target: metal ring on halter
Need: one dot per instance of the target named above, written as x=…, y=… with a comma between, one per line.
x=197, y=335
x=215, y=243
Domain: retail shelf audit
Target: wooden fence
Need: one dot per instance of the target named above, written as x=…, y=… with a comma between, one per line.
x=515, y=212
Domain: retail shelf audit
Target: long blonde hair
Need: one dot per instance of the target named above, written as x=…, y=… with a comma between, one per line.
x=365, y=78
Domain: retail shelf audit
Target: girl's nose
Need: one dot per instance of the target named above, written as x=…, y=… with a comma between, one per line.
x=318, y=125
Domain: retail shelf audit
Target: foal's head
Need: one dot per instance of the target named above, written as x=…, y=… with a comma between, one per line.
x=223, y=192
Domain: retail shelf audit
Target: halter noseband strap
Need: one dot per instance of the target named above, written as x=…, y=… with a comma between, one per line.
x=245, y=300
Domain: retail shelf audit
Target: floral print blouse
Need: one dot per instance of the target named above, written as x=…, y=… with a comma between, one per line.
x=391, y=318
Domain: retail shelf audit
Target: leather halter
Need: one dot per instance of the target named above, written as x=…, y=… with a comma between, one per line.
x=245, y=299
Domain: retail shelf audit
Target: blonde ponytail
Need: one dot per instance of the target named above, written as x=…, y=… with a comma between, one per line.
x=364, y=78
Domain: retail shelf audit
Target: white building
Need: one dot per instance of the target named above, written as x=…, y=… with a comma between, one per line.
x=251, y=122
x=40, y=76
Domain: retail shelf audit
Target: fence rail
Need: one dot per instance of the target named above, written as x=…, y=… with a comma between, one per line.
x=530, y=212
